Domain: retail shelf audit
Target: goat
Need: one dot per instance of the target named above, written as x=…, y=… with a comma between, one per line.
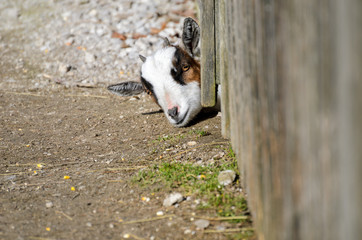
x=171, y=76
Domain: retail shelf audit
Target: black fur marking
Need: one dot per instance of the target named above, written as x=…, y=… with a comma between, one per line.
x=176, y=71
x=190, y=35
x=148, y=87
x=126, y=88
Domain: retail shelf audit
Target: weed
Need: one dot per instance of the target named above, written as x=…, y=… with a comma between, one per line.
x=199, y=181
x=198, y=133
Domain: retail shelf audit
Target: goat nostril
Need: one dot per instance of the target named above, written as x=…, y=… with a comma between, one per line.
x=173, y=112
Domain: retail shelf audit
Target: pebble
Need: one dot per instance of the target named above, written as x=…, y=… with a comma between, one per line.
x=191, y=143
x=48, y=204
x=89, y=57
x=220, y=228
x=11, y=13
x=172, y=199
x=201, y=224
x=226, y=177
x=64, y=68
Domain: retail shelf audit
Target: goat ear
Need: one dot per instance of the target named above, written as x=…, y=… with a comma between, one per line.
x=166, y=42
x=190, y=35
x=143, y=58
x=126, y=88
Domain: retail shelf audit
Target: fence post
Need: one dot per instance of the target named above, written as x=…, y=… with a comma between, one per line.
x=208, y=80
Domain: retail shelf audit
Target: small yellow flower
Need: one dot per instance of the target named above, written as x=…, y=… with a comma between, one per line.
x=145, y=199
x=27, y=145
x=66, y=177
x=39, y=165
x=48, y=229
x=201, y=177
x=72, y=188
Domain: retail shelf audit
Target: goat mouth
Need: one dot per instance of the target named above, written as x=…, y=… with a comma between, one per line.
x=180, y=122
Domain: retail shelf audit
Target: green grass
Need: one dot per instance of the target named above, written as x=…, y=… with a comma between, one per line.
x=198, y=181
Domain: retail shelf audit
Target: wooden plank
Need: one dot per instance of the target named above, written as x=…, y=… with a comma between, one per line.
x=349, y=87
x=208, y=90
x=294, y=80
x=221, y=64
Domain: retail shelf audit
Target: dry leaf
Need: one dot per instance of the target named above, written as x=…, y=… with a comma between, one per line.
x=138, y=35
x=154, y=31
x=118, y=35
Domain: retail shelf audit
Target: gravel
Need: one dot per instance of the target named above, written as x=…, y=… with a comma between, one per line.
x=101, y=40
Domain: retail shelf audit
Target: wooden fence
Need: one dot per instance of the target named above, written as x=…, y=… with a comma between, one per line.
x=291, y=76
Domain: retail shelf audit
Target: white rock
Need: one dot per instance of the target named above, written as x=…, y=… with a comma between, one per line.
x=220, y=228
x=172, y=199
x=226, y=177
x=89, y=57
x=64, y=68
x=49, y=204
x=201, y=224
x=160, y=213
x=11, y=13
x=191, y=143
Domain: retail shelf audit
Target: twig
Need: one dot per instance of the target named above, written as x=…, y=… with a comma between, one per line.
x=7, y=174
x=114, y=180
x=94, y=96
x=25, y=164
x=135, y=237
x=148, y=219
x=222, y=218
x=40, y=238
x=229, y=230
x=187, y=150
x=65, y=215
x=125, y=168
x=27, y=94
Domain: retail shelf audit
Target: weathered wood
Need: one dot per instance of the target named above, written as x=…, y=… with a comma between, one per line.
x=207, y=19
x=221, y=52
x=291, y=87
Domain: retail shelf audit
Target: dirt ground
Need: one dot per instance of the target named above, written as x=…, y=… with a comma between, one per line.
x=68, y=155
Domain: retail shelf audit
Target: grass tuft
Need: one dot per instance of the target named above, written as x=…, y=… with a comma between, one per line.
x=198, y=181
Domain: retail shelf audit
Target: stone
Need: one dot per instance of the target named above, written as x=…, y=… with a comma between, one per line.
x=191, y=143
x=89, y=57
x=172, y=199
x=48, y=204
x=201, y=224
x=226, y=177
x=64, y=68
x=160, y=213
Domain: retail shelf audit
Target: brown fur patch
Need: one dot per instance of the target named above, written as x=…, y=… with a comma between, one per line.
x=182, y=58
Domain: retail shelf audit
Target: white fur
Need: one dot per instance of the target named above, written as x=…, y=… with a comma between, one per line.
x=157, y=71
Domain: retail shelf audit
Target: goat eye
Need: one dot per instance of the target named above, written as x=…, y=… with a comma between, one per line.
x=185, y=68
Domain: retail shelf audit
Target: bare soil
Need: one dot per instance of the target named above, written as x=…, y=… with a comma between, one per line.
x=50, y=131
